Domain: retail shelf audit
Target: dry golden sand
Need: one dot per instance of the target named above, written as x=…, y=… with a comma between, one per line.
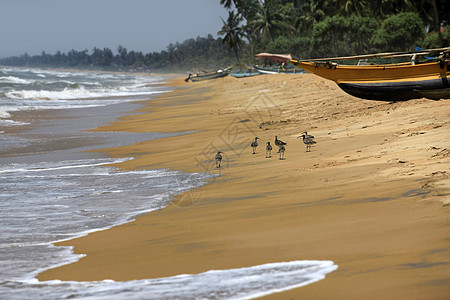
x=372, y=195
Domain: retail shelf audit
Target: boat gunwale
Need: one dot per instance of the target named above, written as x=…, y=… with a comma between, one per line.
x=346, y=73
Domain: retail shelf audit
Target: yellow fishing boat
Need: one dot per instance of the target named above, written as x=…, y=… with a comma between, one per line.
x=388, y=82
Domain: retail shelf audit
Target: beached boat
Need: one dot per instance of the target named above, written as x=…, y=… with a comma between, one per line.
x=283, y=61
x=387, y=82
x=210, y=75
x=279, y=70
x=245, y=74
x=249, y=71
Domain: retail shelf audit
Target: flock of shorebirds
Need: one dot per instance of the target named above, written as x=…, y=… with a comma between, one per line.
x=308, y=140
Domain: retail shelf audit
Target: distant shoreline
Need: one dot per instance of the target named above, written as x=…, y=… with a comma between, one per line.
x=168, y=74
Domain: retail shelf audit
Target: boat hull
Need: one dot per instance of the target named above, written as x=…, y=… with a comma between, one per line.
x=207, y=76
x=387, y=82
x=242, y=75
x=278, y=70
x=397, y=90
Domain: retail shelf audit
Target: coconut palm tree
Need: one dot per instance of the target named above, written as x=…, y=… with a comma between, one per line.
x=350, y=7
x=227, y=3
x=312, y=12
x=232, y=32
x=269, y=21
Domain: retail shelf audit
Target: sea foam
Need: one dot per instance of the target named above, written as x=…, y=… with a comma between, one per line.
x=238, y=283
x=15, y=80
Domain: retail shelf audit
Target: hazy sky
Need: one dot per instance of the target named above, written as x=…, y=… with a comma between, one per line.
x=143, y=25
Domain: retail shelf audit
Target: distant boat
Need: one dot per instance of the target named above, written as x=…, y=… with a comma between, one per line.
x=279, y=70
x=245, y=74
x=283, y=61
x=388, y=82
x=250, y=71
x=210, y=75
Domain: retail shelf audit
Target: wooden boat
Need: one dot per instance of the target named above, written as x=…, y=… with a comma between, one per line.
x=279, y=70
x=210, y=75
x=245, y=74
x=249, y=71
x=387, y=82
x=283, y=61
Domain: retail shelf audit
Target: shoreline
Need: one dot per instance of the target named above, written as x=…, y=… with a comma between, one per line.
x=369, y=196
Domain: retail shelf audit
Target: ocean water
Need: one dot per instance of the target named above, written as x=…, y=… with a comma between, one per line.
x=51, y=190
x=32, y=89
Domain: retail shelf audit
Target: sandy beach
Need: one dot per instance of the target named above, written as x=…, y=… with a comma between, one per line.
x=373, y=195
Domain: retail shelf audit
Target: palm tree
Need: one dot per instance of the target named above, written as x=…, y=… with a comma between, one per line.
x=245, y=8
x=232, y=32
x=227, y=3
x=312, y=13
x=350, y=7
x=381, y=9
x=270, y=22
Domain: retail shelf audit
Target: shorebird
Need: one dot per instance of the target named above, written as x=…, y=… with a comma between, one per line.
x=255, y=144
x=281, y=149
x=279, y=142
x=308, y=135
x=268, y=150
x=218, y=159
x=307, y=140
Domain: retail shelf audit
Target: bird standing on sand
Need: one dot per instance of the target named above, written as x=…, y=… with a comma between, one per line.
x=278, y=143
x=218, y=159
x=307, y=140
x=268, y=150
x=281, y=149
x=255, y=144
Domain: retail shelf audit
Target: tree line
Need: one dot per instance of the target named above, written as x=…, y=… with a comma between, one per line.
x=200, y=53
x=324, y=28
x=303, y=28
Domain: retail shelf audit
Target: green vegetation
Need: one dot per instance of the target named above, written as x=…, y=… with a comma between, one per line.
x=233, y=33
x=303, y=28
x=200, y=53
x=321, y=28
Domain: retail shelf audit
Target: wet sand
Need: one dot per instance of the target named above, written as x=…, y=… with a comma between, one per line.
x=372, y=195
